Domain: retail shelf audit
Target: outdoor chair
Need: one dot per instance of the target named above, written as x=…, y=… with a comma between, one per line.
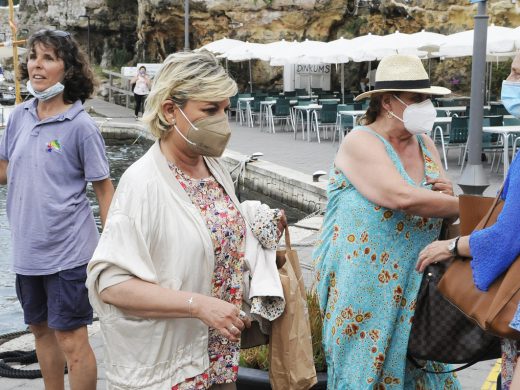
x=242, y=108
x=281, y=110
x=515, y=139
x=440, y=133
x=458, y=135
x=326, y=118
x=233, y=106
x=490, y=142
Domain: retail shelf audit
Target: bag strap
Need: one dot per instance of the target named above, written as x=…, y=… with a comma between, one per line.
x=423, y=368
x=287, y=239
x=485, y=220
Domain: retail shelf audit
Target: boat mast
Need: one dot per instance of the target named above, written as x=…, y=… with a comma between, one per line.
x=15, y=52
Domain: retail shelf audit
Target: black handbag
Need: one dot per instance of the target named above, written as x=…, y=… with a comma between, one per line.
x=441, y=332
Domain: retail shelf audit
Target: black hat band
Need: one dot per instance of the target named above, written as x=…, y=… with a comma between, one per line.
x=403, y=84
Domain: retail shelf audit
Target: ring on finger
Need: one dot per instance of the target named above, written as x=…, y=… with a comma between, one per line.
x=233, y=328
x=242, y=314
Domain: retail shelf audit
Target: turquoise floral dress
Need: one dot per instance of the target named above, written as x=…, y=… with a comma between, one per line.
x=228, y=231
x=367, y=286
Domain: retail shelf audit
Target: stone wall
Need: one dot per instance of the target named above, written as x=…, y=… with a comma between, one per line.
x=148, y=30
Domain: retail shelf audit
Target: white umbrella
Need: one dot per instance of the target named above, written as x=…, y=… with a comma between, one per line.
x=423, y=43
x=222, y=45
x=499, y=40
x=306, y=52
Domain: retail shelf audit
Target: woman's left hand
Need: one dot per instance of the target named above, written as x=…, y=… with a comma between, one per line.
x=441, y=184
x=282, y=224
x=433, y=253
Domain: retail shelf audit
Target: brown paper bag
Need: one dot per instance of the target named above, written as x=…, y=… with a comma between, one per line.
x=291, y=363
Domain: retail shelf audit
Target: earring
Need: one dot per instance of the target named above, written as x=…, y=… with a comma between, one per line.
x=388, y=115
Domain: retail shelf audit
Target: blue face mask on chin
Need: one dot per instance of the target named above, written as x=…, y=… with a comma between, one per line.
x=47, y=94
x=511, y=97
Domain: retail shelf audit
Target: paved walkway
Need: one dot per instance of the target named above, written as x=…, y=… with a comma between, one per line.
x=282, y=149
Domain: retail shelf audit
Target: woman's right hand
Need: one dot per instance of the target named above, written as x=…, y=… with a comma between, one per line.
x=220, y=315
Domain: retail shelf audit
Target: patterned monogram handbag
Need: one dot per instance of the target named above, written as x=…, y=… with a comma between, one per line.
x=440, y=331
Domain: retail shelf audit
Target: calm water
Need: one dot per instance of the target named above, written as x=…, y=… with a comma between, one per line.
x=120, y=156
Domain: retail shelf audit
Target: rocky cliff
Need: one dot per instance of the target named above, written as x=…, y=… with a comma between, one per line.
x=124, y=31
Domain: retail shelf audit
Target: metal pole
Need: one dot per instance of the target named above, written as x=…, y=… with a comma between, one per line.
x=342, y=83
x=186, y=25
x=250, y=78
x=15, y=52
x=473, y=179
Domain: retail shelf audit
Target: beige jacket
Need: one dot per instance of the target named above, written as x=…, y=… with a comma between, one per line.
x=154, y=232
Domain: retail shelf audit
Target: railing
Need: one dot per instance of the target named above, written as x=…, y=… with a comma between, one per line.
x=118, y=88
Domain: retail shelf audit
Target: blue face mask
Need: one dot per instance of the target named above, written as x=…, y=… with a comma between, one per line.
x=511, y=97
x=49, y=93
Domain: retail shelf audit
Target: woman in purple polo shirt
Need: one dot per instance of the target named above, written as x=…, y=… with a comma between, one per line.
x=50, y=149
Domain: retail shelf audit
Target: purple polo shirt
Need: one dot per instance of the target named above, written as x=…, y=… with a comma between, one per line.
x=50, y=163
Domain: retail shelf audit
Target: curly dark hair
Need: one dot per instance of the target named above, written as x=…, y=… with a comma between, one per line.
x=79, y=80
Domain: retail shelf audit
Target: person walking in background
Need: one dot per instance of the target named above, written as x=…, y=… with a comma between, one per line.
x=387, y=195
x=167, y=276
x=50, y=149
x=495, y=248
x=141, y=89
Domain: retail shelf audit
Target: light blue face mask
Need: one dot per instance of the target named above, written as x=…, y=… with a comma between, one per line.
x=511, y=97
x=49, y=93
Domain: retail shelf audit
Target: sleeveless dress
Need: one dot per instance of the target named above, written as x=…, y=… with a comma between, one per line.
x=367, y=286
x=228, y=231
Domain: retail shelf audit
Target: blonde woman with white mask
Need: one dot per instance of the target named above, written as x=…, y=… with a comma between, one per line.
x=387, y=194
x=167, y=276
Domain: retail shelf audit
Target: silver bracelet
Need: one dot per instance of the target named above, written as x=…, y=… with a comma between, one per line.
x=190, y=301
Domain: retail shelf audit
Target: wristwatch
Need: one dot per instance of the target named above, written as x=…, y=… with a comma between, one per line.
x=452, y=247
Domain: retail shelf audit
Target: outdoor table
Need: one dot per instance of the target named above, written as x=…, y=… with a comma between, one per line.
x=504, y=132
x=353, y=113
x=267, y=106
x=308, y=110
x=247, y=101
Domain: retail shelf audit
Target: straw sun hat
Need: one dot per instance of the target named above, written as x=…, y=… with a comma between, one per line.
x=402, y=73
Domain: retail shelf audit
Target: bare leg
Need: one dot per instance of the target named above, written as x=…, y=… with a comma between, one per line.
x=50, y=356
x=81, y=360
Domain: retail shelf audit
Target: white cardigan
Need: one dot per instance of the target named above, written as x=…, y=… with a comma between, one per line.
x=154, y=232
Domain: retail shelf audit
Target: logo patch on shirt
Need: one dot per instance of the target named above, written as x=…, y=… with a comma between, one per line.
x=54, y=145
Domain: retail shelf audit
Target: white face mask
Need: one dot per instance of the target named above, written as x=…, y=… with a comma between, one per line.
x=418, y=118
x=47, y=94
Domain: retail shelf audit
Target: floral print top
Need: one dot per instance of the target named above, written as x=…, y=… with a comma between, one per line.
x=367, y=286
x=227, y=230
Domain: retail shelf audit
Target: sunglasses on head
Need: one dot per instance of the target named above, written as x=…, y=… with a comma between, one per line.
x=52, y=33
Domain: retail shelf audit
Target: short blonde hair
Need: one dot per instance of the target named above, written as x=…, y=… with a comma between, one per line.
x=186, y=76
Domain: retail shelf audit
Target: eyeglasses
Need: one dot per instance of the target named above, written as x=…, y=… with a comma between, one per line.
x=52, y=33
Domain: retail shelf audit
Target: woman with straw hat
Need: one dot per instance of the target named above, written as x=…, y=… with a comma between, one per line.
x=387, y=196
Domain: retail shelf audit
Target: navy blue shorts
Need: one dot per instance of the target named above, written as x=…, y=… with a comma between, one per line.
x=61, y=299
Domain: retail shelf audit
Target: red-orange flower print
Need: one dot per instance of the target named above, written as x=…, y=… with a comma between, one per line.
x=384, y=276
x=364, y=237
x=373, y=258
x=378, y=361
x=350, y=330
x=400, y=226
x=347, y=313
x=351, y=238
x=398, y=295
x=384, y=257
x=374, y=334
x=367, y=251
